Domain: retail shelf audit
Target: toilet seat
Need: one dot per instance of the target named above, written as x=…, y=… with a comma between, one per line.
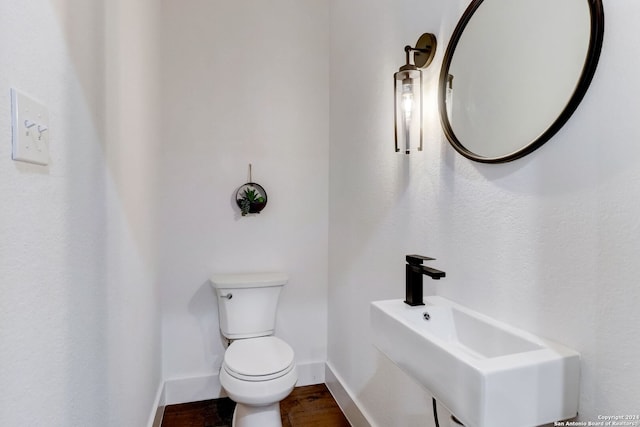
x=258, y=359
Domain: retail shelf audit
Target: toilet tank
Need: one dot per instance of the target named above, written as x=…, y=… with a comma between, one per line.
x=247, y=303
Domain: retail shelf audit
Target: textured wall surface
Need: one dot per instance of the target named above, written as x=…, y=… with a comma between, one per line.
x=243, y=82
x=547, y=243
x=132, y=200
x=79, y=323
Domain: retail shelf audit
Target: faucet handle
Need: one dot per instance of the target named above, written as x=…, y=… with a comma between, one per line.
x=417, y=259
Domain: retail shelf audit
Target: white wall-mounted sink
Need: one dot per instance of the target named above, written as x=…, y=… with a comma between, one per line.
x=487, y=373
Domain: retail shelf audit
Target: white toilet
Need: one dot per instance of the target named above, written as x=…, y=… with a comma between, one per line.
x=258, y=370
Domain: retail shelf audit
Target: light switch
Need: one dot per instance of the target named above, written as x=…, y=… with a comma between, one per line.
x=30, y=129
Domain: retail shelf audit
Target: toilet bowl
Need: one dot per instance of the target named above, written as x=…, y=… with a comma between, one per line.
x=257, y=373
x=258, y=369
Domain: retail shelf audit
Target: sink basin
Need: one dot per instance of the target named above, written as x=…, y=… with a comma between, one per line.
x=487, y=373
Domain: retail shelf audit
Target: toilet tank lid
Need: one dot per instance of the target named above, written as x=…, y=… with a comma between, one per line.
x=248, y=280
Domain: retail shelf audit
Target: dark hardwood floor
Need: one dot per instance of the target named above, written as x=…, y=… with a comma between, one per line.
x=308, y=406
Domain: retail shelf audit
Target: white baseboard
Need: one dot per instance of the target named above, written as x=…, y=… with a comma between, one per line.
x=157, y=411
x=194, y=389
x=310, y=373
x=346, y=399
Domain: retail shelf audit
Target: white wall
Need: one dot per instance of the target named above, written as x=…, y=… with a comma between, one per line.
x=548, y=243
x=243, y=82
x=79, y=317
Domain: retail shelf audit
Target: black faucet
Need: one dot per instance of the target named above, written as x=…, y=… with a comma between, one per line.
x=415, y=270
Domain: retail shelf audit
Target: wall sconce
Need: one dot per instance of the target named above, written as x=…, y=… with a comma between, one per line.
x=408, y=94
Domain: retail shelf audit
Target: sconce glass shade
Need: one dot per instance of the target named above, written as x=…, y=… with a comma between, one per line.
x=408, y=108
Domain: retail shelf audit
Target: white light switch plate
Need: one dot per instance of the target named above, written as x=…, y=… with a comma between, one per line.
x=30, y=128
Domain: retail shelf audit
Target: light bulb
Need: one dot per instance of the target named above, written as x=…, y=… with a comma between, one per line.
x=407, y=102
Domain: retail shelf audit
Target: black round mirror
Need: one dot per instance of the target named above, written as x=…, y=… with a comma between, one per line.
x=514, y=72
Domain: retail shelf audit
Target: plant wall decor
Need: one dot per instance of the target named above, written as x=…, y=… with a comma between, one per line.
x=251, y=197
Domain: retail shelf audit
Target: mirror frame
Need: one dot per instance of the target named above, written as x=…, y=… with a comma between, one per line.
x=588, y=71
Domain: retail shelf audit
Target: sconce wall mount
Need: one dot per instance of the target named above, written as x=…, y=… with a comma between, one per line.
x=408, y=94
x=425, y=50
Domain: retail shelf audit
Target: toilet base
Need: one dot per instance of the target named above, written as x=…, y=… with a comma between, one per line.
x=257, y=416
